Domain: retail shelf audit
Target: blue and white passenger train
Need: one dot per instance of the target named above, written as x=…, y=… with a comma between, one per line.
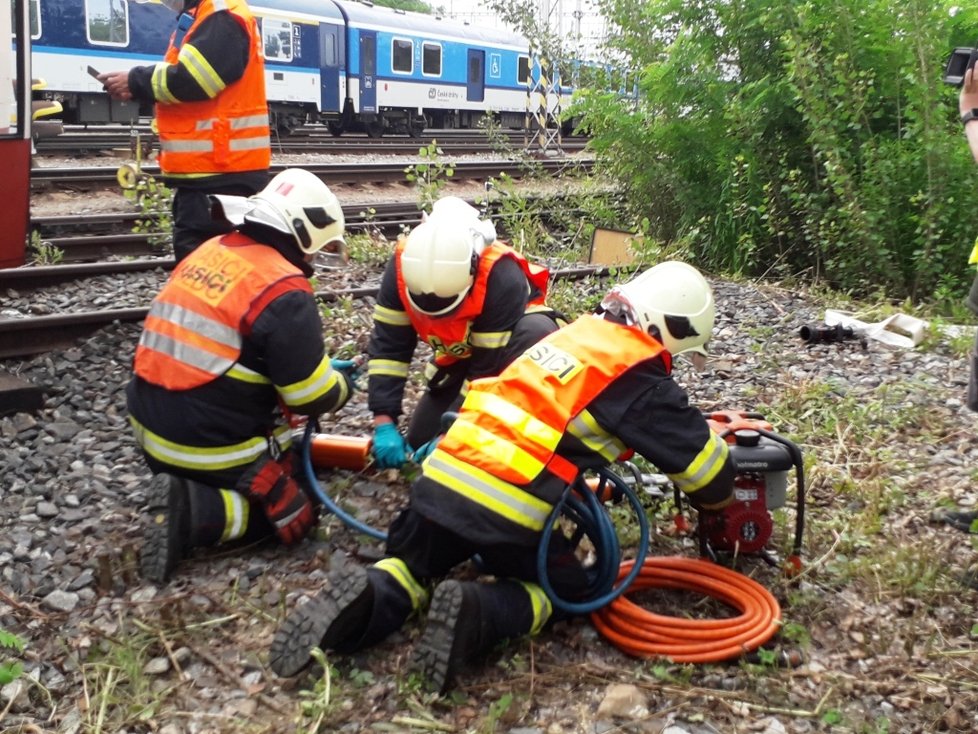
x=348, y=64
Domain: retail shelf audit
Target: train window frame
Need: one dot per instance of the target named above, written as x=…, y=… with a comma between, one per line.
x=34, y=10
x=523, y=67
x=425, y=46
x=283, y=25
x=395, y=40
x=88, y=25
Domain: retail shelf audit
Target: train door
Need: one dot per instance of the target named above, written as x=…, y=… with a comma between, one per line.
x=329, y=67
x=475, y=80
x=368, y=72
x=15, y=132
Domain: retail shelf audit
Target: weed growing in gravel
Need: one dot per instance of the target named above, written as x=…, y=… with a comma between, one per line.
x=430, y=175
x=155, y=201
x=43, y=252
x=10, y=670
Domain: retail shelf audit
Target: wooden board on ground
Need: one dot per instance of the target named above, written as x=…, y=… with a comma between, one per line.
x=612, y=247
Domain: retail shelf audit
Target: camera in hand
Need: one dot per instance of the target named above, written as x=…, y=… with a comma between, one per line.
x=961, y=60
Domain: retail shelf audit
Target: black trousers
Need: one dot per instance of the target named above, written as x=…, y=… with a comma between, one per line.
x=192, y=221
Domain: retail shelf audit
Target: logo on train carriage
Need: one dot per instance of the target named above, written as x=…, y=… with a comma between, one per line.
x=432, y=92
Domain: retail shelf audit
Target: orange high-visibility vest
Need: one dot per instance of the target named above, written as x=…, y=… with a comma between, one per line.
x=448, y=335
x=224, y=134
x=194, y=329
x=509, y=426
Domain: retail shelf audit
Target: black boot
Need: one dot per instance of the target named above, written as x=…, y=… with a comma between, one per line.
x=168, y=535
x=465, y=621
x=335, y=619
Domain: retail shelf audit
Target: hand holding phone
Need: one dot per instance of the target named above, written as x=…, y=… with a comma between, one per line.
x=960, y=61
x=92, y=71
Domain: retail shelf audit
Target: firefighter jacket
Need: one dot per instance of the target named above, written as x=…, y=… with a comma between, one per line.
x=233, y=336
x=506, y=288
x=578, y=399
x=211, y=108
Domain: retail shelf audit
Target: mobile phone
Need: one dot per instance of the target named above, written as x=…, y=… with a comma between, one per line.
x=93, y=72
x=960, y=61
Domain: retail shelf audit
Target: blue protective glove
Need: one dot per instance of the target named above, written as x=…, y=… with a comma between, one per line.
x=389, y=447
x=424, y=450
x=349, y=366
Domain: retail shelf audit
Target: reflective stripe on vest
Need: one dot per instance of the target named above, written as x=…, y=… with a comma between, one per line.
x=228, y=132
x=559, y=376
x=449, y=335
x=192, y=334
x=515, y=504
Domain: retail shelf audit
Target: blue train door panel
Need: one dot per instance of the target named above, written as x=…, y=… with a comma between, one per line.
x=368, y=71
x=475, y=79
x=329, y=63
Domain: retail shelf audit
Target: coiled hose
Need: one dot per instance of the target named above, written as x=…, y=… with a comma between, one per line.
x=641, y=633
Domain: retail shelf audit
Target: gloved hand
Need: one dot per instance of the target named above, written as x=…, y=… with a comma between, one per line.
x=286, y=506
x=389, y=447
x=424, y=450
x=349, y=367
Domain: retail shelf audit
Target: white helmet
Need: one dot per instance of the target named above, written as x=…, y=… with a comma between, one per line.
x=441, y=256
x=295, y=202
x=671, y=301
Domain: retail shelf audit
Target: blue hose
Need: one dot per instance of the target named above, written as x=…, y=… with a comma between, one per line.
x=592, y=520
x=590, y=517
x=313, y=481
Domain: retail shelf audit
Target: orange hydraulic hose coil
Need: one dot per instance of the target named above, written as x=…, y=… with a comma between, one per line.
x=641, y=633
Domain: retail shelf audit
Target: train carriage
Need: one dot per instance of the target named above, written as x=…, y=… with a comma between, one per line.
x=350, y=65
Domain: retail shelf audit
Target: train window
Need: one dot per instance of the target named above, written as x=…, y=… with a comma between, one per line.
x=327, y=49
x=523, y=70
x=277, y=39
x=402, y=55
x=107, y=22
x=430, y=59
x=35, y=19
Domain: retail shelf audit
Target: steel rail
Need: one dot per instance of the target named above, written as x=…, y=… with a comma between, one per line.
x=23, y=337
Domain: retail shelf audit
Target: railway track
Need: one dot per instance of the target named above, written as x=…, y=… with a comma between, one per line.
x=346, y=173
x=27, y=336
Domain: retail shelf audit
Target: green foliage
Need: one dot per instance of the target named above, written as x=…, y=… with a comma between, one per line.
x=794, y=139
x=430, y=175
x=10, y=670
x=43, y=252
x=155, y=201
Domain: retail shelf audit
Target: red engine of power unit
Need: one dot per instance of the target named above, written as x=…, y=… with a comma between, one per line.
x=764, y=461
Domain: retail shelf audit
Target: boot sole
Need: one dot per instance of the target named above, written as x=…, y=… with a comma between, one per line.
x=157, y=558
x=307, y=627
x=433, y=655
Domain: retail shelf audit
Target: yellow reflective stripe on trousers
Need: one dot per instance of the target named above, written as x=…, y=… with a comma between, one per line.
x=387, y=368
x=973, y=260
x=542, y=606
x=704, y=467
x=479, y=486
x=498, y=449
x=585, y=429
x=518, y=419
x=236, y=512
x=210, y=458
x=399, y=570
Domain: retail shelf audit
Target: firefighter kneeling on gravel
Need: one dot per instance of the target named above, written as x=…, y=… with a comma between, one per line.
x=234, y=335
x=476, y=301
x=579, y=398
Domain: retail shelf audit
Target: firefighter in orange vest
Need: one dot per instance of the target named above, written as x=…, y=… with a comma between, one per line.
x=211, y=112
x=476, y=301
x=231, y=345
x=579, y=398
